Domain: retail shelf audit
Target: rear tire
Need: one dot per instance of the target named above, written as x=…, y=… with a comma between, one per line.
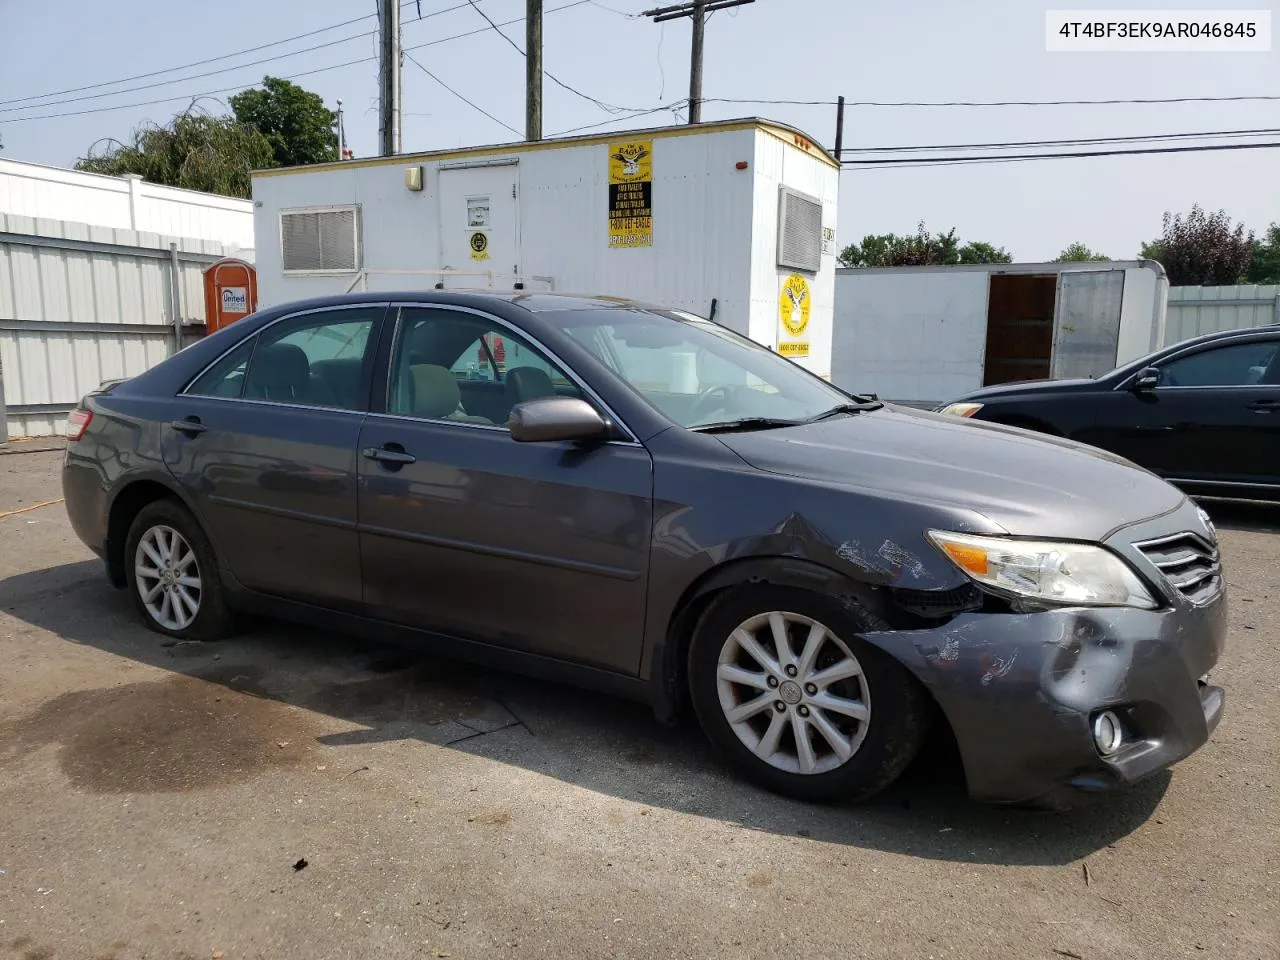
x=830, y=717
x=172, y=574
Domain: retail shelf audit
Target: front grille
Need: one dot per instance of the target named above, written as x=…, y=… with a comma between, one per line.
x=1189, y=563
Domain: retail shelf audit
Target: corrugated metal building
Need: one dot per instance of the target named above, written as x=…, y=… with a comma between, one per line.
x=1197, y=310
x=87, y=291
x=127, y=203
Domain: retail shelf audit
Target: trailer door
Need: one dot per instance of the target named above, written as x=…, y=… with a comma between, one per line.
x=479, y=232
x=1087, y=332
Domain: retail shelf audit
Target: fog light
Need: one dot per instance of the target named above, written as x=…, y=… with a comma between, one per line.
x=1107, y=733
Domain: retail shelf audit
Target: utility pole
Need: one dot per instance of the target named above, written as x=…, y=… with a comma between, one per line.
x=697, y=11
x=389, y=71
x=839, y=128
x=533, y=70
x=699, y=17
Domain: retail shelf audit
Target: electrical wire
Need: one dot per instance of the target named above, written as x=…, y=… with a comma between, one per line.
x=292, y=76
x=220, y=70
x=607, y=107
x=474, y=106
x=995, y=103
x=1145, y=138
x=185, y=66
x=901, y=163
x=632, y=116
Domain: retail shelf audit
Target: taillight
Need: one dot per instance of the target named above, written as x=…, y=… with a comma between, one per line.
x=78, y=421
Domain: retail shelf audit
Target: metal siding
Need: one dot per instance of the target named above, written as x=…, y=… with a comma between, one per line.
x=1086, y=330
x=46, y=284
x=702, y=224
x=910, y=337
x=781, y=164
x=1194, y=311
x=34, y=190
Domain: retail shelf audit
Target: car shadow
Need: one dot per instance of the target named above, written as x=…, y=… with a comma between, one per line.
x=614, y=747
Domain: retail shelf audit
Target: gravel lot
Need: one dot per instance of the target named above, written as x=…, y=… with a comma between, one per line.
x=160, y=801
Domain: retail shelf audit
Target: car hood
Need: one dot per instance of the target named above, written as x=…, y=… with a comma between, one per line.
x=1027, y=484
x=1036, y=387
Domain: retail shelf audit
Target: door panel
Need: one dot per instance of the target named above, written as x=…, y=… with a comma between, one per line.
x=265, y=442
x=541, y=547
x=475, y=202
x=537, y=546
x=277, y=487
x=1207, y=420
x=1087, y=330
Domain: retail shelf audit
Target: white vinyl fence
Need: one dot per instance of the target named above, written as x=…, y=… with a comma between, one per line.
x=1196, y=310
x=81, y=304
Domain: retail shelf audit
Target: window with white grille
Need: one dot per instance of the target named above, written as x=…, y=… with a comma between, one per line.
x=323, y=239
x=799, y=231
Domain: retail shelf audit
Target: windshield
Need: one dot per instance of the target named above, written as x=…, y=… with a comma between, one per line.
x=698, y=373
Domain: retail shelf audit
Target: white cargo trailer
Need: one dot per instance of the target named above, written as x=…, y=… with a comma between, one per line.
x=926, y=335
x=733, y=219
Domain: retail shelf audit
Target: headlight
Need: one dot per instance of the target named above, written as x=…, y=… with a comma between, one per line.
x=1062, y=574
x=961, y=409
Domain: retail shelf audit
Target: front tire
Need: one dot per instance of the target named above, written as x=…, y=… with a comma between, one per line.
x=792, y=697
x=172, y=574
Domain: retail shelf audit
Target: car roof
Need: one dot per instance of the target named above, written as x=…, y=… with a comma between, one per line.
x=532, y=301
x=1223, y=335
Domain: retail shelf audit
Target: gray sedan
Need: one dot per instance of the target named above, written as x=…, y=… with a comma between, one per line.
x=641, y=501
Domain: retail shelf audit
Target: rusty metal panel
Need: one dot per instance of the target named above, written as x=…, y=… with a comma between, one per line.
x=1087, y=328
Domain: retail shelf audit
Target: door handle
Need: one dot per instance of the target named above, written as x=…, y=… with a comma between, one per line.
x=190, y=426
x=1264, y=406
x=389, y=456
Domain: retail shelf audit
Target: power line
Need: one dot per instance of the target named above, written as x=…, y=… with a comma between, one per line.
x=675, y=105
x=220, y=70
x=292, y=76
x=185, y=66
x=901, y=163
x=607, y=107
x=1145, y=138
x=474, y=106
x=994, y=103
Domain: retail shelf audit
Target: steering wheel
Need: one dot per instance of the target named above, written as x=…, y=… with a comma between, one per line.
x=704, y=400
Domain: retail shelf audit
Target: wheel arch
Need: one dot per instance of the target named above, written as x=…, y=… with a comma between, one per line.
x=129, y=498
x=669, y=664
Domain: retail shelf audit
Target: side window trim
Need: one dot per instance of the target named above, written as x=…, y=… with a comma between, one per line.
x=390, y=341
x=367, y=369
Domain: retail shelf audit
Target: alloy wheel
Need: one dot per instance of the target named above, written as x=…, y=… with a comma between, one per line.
x=793, y=693
x=168, y=577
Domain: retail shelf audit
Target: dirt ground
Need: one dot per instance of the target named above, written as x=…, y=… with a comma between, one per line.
x=290, y=794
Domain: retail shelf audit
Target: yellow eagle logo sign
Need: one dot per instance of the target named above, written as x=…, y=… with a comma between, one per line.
x=629, y=157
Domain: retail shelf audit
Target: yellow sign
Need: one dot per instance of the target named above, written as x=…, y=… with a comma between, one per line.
x=793, y=315
x=631, y=194
x=479, y=244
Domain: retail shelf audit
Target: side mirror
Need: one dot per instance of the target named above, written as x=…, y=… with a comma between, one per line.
x=1147, y=379
x=551, y=419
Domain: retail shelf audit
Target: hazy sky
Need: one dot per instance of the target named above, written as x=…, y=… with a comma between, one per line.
x=770, y=49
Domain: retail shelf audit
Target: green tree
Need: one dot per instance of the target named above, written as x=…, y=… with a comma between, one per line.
x=194, y=151
x=295, y=121
x=1079, y=253
x=919, y=249
x=1265, y=265
x=979, y=252
x=1202, y=249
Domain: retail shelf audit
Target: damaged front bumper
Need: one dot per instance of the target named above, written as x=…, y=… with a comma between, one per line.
x=1021, y=691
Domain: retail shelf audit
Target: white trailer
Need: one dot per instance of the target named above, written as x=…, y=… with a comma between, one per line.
x=735, y=219
x=926, y=335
